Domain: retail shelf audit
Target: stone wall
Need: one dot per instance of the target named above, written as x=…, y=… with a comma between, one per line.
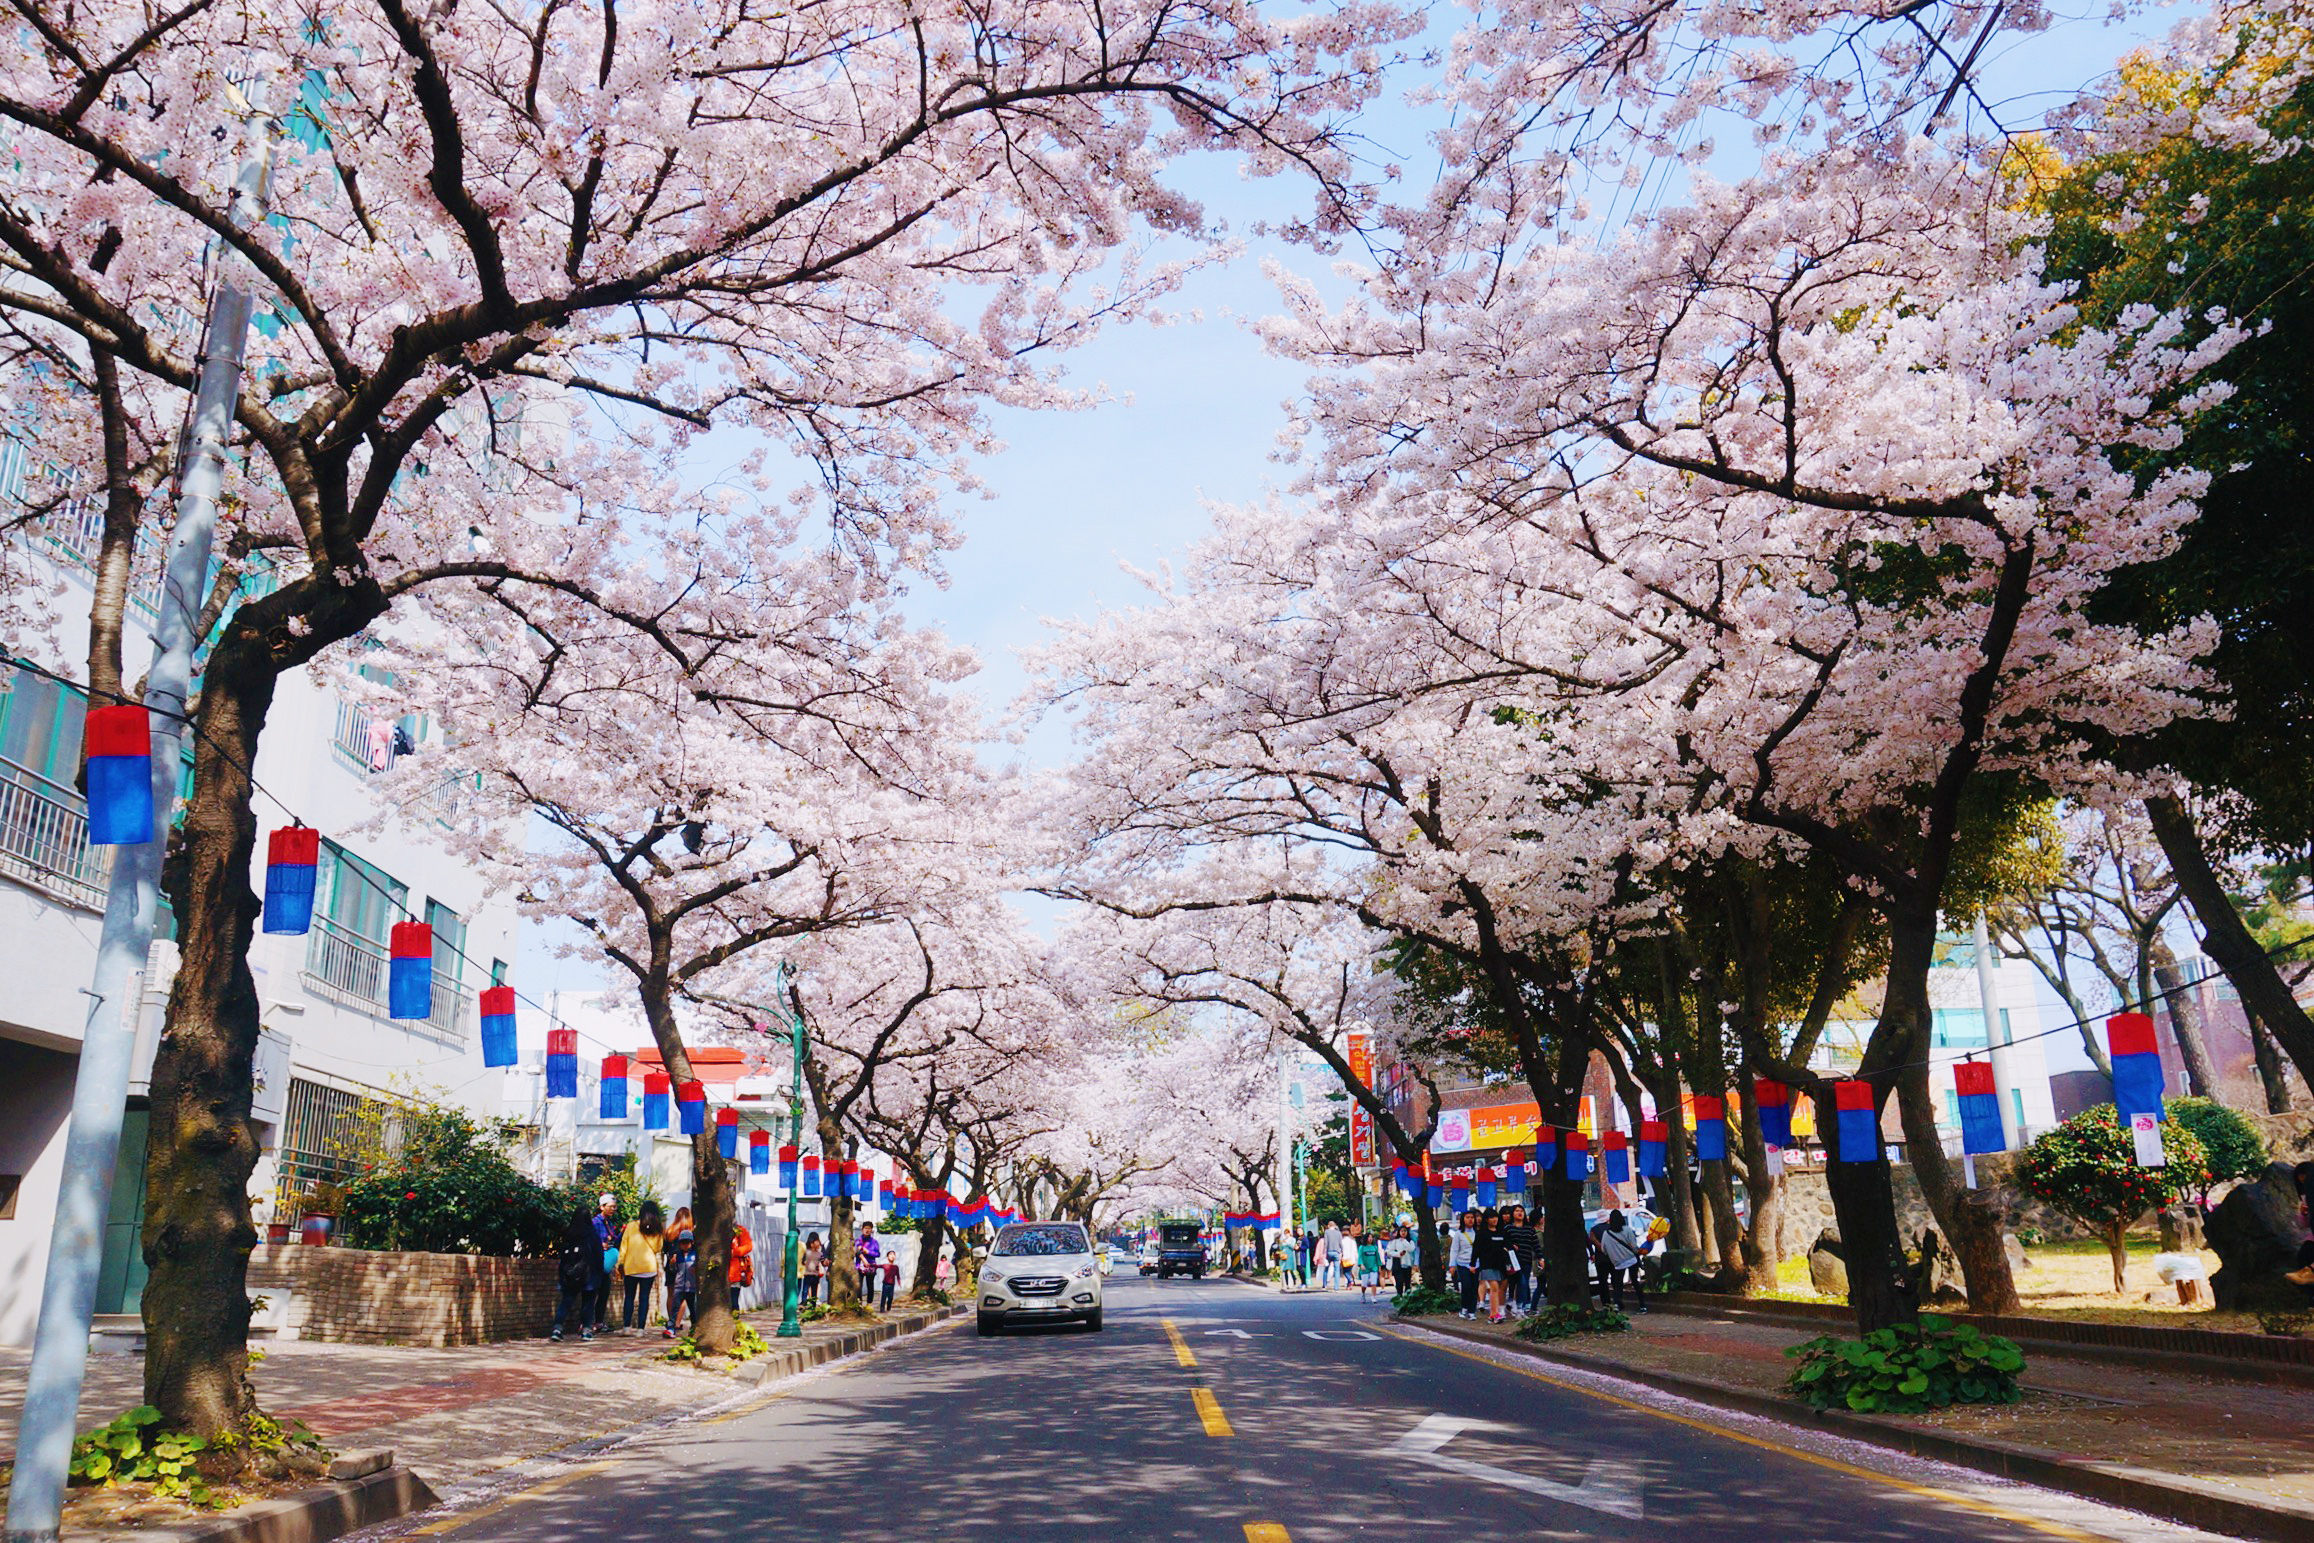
x=360, y=1296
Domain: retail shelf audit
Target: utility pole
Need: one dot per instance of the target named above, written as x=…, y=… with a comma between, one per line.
x=108, y=1041
x=1285, y=1152
x=1997, y=1039
x=791, y=1249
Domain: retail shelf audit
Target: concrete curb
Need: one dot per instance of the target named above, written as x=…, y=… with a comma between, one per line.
x=2194, y=1502
x=310, y=1516
x=799, y=1358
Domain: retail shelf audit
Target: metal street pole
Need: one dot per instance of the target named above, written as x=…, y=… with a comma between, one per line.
x=791, y=1266
x=1996, y=1039
x=108, y=1042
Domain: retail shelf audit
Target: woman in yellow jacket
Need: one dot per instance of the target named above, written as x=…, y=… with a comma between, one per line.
x=639, y=1249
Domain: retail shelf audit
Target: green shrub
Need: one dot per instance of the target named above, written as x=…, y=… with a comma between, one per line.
x=2087, y=1168
x=1422, y=1302
x=132, y=1450
x=746, y=1343
x=1569, y=1319
x=1895, y=1371
x=451, y=1189
x=2231, y=1145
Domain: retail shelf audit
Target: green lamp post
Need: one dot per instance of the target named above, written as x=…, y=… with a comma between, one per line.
x=791, y=1265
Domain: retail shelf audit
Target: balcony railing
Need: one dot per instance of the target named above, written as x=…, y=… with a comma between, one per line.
x=351, y=737
x=355, y=971
x=44, y=839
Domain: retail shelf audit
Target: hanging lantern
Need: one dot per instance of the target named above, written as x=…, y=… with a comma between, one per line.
x=1615, y=1157
x=498, y=1048
x=787, y=1167
x=1858, y=1121
x=655, y=1085
x=292, y=858
x=614, y=1085
x=2137, y=1079
x=1458, y=1193
x=119, y=742
x=562, y=1063
x=811, y=1177
x=410, y=971
x=759, y=1151
x=1710, y=1128
x=884, y=1196
x=1433, y=1192
x=1980, y=1108
x=1514, y=1175
x=1578, y=1159
x=955, y=1212
x=1654, y=1149
x=1482, y=1183
x=1546, y=1148
x=727, y=1133
x=691, y=1107
x=1774, y=1102
x=864, y=1189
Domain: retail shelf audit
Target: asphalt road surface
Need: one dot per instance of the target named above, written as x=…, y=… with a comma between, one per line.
x=1231, y=1414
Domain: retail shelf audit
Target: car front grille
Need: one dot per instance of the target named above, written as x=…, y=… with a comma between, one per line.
x=1038, y=1285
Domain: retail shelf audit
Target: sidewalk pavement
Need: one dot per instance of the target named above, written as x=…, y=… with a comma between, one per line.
x=2230, y=1441
x=457, y=1415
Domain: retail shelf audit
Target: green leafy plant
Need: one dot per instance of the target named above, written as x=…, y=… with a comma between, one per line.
x=747, y=1344
x=2087, y=1168
x=812, y=1312
x=1897, y=1371
x=451, y=1189
x=1422, y=1302
x=2231, y=1145
x=684, y=1349
x=937, y=1294
x=1569, y=1319
x=133, y=1450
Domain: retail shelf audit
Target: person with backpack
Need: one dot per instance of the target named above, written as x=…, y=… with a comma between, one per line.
x=639, y=1252
x=742, y=1261
x=815, y=1266
x=1617, y=1253
x=579, y=1277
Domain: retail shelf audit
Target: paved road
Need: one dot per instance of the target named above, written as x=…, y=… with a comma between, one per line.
x=1226, y=1413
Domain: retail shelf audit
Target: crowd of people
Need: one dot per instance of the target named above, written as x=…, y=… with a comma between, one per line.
x=1493, y=1260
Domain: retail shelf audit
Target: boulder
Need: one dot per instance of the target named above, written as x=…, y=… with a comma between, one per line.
x=1827, y=1270
x=2018, y=1263
x=2181, y=1228
x=1939, y=1279
x=2257, y=1233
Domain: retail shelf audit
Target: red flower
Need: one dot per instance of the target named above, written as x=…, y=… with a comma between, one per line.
x=412, y=1195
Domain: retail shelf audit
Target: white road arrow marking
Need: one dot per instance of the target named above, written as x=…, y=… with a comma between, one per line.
x=1237, y=1334
x=1607, y=1486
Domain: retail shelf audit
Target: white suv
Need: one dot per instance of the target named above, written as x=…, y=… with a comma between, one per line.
x=1040, y=1272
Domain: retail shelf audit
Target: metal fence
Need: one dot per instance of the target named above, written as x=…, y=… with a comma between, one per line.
x=44, y=839
x=317, y=1131
x=355, y=970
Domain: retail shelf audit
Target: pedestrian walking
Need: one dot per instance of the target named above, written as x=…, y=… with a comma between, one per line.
x=815, y=1266
x=1369, y=1267
x=639, y=1252
x=606, y=1220
x=1526, y=1251
x=1617, y=1253
x=891, y=1269
x=1330, y=1257
x=681, y=1267
x=1398, y=1254
x=1460, y=1269
x=1490, y=1254
x=867, y=1261
x=579, y=1277
x=742, y=1261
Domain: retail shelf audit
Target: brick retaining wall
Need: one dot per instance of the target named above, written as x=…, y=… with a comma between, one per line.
x=365, y=1297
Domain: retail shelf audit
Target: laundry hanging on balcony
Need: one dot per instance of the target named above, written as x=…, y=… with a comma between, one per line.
x=562, y=1063
x=119, y=742
x=292, y=860
x=614, y=1086
x=410, y=971
x=498, y=1048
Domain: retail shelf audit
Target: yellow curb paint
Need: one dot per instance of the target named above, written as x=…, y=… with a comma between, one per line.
x=453, y=1523
x=1265, y=1532
x=1216, y=1423
x=1941, y=1496
x=1181, y=1351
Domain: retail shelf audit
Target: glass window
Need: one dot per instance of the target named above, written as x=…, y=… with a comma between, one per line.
x=40, y=723
x=1038, y=1239
x=364, y=899
x=1957, y=1028
x=498, y=972
x=449, y=943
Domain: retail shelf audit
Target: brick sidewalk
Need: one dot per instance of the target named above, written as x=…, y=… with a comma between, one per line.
x=2253, y=1440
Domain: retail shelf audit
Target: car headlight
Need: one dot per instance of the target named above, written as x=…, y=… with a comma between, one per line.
x=994, y=1277
x=1088, y=1272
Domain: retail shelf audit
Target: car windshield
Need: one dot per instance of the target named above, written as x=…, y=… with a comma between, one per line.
x=1016, y=1242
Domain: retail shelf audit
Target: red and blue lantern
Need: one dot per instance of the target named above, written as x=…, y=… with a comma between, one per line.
x=884, y=1196
x=1774, y=1102
x=956, y=1212
x=1578, y=1158
x=1546, y=1148
x=655, y=1086
x=1615, y=1157
x=787, y=1167
x=1710, y=1128
x=727, y=1133
x=614, y=1086
x=1433, y=1192
x=1654, y=1149
x=865, y=1188
x=1858, y=1121
x=759, y=1151
x=562, y=1063
x=1514, y=1176
x=2137, y=1078
x=1458, y=1193
x=691, y=1107
x=119, y=741
x=292, y=859
x=498, y=1047
x=410, y=971
x=1485, y=1186
x=1980, y=1107
x=811, y=1177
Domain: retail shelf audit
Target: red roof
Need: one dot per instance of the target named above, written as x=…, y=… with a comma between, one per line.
x=711, y=1064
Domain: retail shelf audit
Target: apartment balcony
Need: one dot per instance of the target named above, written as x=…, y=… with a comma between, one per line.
x=44, y=839
x=350, y=969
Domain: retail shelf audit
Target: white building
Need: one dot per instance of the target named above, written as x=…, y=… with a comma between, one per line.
x=327, y=1041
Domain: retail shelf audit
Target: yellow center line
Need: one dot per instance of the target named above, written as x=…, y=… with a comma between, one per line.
x=1943, y=1496
x=1181, y=1351
x=1216, y=1423
x=1265, y=1532
x=453, y=1523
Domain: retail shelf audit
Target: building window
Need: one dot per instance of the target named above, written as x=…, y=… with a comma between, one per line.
x=449, y=1015
x=1957, y=1028
x=498, y=972
x=321, y=1133
x=358, y=905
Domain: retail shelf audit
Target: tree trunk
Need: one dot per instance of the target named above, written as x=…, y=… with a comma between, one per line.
x=931, y=1233
x=1678, y=1202
x=2185, y=1018
x=2117, y=1249
x=1762, y=1258
x=1566, y=1249
x=715, y=1214
x=1429, y=1252
x=843, y=1272
x=2271, y=1076
x=201, y=1147
x=1880, y=1287
x=2265, y=995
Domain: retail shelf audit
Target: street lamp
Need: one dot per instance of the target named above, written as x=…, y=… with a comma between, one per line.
x=791, y=1268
